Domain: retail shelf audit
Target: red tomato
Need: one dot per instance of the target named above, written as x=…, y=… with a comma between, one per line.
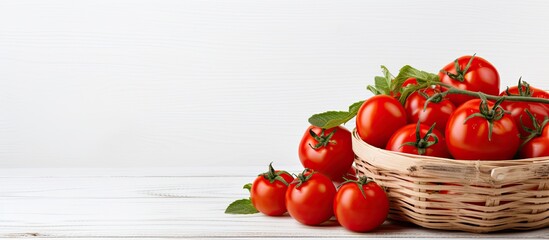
x=525, y=90
x=437, y=111
x=538, y=110
x=378, y=118
x=409, y=81
x=471, y=73
x=517, y=111
x=328, y=151
x=419, y=139
x=361, y=205
x=538, y=146
x=269, y=191
x=470, y=138
x=310, y=197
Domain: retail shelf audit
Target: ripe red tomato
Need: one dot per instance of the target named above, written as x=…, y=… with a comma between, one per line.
x=328, y=151
x=538, y=146
x=517, y=109
x=437, y=111
x=524, y=89
x=268, y=191
x=471, y=73
x=361, y=205
x=310, y=197
x=378, y=118
x=419, y=139
x=468, y=133
x=409, y=81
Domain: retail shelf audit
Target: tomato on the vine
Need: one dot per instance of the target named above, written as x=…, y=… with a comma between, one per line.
x=482, y=130
x=524, y=89
x=310, y=198
x=268, y=192
x=419, y=139
x=471, y=73
x=517, y=109
x=361, y=205
x=437, y=111
x=328, y=151
x=378, y=118
x=537, y=143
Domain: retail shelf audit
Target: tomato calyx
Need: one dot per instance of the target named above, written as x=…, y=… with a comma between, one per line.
x=322, y=139
x=422, y=143
x=538, y=127
x=303, y=177
x=273, y=175
x=490, y=114
x=362, y=180
x=460, y=73
x=526, y=92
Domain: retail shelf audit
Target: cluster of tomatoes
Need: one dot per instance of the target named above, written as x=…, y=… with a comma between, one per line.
x=453, y=120
x=463, y=115
x=312, y=198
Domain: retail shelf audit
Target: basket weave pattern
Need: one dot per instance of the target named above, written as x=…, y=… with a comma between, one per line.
x=473, y=196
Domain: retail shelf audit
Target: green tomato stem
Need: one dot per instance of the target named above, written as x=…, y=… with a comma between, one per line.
x=453, y=90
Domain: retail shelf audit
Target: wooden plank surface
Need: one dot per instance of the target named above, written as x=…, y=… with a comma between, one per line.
x=161, y=203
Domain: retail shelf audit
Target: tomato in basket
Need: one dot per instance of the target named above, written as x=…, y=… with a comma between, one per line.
x=537, y=145
x=437, y=111
x=517, y=109
x=378, y=118
x=471, y=73
x=481, y=130
x=419, y=139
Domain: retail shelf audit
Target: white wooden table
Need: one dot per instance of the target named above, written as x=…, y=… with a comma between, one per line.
x=161, y=203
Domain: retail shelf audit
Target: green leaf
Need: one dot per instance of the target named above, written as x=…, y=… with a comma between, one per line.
x=242, y=206
x=382, y=84
x=373, y=90
x=423, y=78
x=332, y=119
x=247, y=186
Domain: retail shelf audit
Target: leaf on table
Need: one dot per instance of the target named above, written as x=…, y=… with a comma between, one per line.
x=242, y=206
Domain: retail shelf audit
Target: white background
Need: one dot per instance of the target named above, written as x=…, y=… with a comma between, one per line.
x=182, y=83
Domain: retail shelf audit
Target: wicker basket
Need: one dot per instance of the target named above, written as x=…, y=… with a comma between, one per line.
x=473, y=196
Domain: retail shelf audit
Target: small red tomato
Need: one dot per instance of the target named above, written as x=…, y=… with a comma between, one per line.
x=471, y=73
x=524, y=89
x=361, y=206
x=522, y=119
x=481, y=130
x=409, y=81
x=419, y=139
x=310, y=198
x=517, y=109
x=437, y=111
x=378, y=118
x=269, y=191
x=328, y=151
x=538, y=145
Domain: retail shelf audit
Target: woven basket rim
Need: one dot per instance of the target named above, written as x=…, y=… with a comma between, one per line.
x=417, y=165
